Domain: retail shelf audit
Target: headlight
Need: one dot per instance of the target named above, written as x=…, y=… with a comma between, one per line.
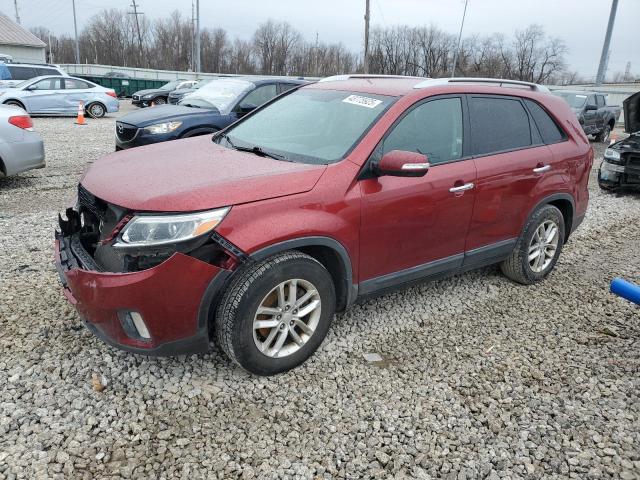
x=148, y=96
x=149, y=230
x=162, y=127
x=611, y=154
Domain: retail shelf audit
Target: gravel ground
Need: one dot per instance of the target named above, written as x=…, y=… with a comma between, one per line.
x=480, y=378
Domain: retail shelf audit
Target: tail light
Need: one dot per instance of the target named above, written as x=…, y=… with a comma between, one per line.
x=111, y=93
x=22, y=121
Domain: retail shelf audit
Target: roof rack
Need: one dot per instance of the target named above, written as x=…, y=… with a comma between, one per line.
x=336, y=78
x=498, y=81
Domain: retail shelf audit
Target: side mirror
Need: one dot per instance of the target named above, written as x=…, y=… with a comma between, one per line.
x=400, y=163
x=246, y=108
x=30, y=88
x=591, y=106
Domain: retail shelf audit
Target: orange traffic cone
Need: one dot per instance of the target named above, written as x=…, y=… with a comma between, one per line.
x=80, y=119
x=613, y=139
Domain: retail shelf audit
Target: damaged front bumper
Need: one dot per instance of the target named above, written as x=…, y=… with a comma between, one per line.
x=163, y=310
x=621, y=173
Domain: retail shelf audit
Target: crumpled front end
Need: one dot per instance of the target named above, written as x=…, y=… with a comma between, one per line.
x=620, y=166
x=154, y=302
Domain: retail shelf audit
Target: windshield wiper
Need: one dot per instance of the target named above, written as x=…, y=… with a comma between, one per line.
x=254, y=149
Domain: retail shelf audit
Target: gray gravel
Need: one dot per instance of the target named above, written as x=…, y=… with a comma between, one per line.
x=479, y=378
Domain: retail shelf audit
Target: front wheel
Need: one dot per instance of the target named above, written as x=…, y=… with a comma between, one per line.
x=159, y=101
x=275, y=315
x=538, y=248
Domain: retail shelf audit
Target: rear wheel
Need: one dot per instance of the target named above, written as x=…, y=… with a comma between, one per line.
x=275, y=315
x=159, y=101
x=96, y=110
x=538, y=248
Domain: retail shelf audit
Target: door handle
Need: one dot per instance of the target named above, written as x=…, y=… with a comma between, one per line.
x=543, y=169
x=462, y=188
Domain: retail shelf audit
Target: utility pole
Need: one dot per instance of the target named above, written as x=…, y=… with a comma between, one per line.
x=604, y=57
x=366, y=37
x=136, y=13
x=75, y=27
x=50, y=51
x=198, y=36
x=15, y=4
x=193, y=36
x=316, y=70
x=455, y=54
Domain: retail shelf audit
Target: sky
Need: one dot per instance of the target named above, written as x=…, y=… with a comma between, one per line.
x=580, y=23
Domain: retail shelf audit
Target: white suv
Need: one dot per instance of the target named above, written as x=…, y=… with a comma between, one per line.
x=25, y=71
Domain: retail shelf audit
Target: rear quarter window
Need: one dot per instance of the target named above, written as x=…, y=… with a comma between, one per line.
x=47, y=71
x=548, y=128
x=22, y=73
x=498, y=125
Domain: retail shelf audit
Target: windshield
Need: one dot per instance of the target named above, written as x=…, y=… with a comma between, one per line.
x=221, y=94
x=575, y=100
x=171, y=85
x=311, y=126
x=22, y=83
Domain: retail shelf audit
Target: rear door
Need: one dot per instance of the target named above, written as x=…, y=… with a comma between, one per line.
x=416, y=227
x=76, y=91
x=602, y=111
x=512, y=162
x=45, y=96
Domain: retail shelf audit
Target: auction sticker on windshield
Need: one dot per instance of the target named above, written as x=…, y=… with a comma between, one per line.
x=362, y=101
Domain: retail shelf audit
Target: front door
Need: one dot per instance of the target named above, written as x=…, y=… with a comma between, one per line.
x=416, y=227
x=45, y=96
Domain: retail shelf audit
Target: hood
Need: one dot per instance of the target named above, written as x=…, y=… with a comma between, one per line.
x=150, y=90
x=161, y=113
x=632, y=113
x=193, y=174
x=629, y=144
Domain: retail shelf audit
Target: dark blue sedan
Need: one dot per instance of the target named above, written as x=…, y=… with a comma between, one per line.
x=207, y=110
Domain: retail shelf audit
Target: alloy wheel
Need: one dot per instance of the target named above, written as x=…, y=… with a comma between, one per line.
x=287, y=318
x=96, y=110
x=543, y=246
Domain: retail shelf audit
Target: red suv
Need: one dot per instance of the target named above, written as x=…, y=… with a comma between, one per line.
x=330, y=193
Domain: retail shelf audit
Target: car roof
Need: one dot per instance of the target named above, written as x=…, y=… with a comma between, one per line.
x=403, y=86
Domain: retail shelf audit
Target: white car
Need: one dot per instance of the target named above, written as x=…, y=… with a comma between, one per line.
x=61, y=95
x=21, y=148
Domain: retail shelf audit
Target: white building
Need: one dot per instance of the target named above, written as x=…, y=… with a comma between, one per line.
x=20, y=43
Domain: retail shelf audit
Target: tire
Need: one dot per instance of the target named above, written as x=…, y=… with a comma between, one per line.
x=159, y=101
x=604, y=134
x=96, y=110
x=15, y=103
x=256, y=287
x=518, y=267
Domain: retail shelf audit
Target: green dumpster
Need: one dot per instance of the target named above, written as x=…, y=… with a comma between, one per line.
x=124, y=87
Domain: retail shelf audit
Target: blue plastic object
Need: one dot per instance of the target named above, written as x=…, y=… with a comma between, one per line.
x=627, y=290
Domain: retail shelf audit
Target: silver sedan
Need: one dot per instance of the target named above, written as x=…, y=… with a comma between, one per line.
x=21, y=147
x=57, y=95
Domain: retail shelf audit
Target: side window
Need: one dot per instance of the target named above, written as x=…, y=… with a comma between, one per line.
x=600, y=101
x=260, y=95
x=591, y=100
x=22, y=73
x=283, y=87
x=47, y=84
x=46, y=71
x=548, y=128
x=498, y=124
x=73, y=84
x=433, y=128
